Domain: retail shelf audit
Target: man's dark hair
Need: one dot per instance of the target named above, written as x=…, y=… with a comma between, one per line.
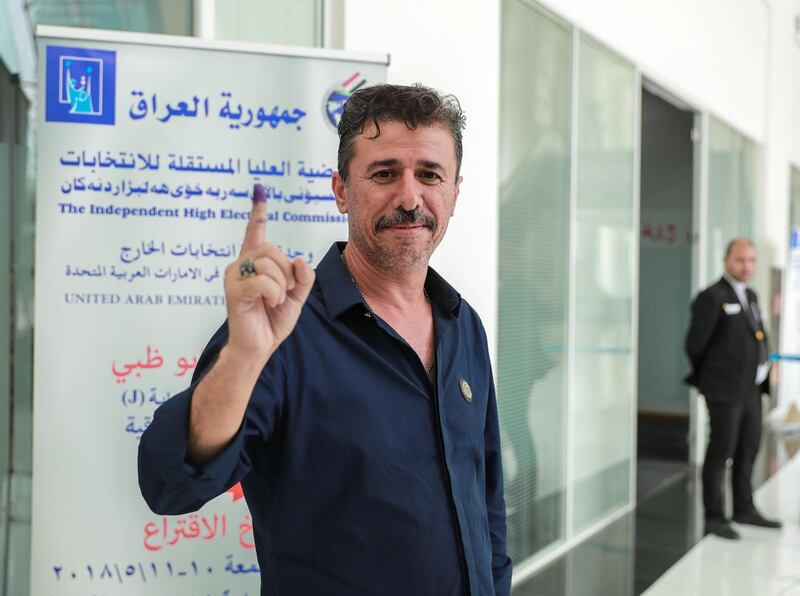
x=736, y=241
x=414, y=105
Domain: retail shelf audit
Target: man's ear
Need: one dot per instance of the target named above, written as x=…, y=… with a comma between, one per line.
x=338, y=185
x=455, y=196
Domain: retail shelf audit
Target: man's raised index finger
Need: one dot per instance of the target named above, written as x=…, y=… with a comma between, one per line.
x=256, y=232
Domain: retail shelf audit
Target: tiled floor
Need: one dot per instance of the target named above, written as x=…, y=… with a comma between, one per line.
x=646, y=551
x=764, y=562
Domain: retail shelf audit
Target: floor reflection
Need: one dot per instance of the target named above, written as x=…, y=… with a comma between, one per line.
x=628, y=556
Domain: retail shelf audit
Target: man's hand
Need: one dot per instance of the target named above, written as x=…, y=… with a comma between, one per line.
x=263, y=308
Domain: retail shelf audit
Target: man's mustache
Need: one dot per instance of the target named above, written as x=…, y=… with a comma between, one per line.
x=402, y=217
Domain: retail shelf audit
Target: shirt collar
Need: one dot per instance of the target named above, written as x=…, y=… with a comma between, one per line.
x=738, y=286
x=340, y=294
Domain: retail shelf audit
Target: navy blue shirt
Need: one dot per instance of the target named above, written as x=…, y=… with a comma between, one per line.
x=362, y=477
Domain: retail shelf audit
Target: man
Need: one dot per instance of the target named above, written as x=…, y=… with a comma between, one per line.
x=356, y=405
x=727, y=346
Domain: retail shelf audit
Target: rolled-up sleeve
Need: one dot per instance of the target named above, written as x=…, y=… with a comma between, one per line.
x=168, y=482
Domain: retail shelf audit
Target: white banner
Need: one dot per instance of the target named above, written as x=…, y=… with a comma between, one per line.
x=148, y=148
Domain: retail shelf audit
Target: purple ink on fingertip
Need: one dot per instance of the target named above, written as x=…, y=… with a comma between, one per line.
x=259, y=195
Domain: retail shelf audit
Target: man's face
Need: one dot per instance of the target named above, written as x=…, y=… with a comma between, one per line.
x=400, y=195
x=740, y=264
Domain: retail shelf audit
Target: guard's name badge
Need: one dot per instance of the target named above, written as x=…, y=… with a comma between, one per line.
x=731, y=308
x=466, y=390
x=759, y=335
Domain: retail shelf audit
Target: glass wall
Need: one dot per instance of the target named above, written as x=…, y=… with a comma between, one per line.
x=5, y=327
x=534, y=194
x=603, y=262
x=665, y=257
x=8, y=51
x=147, y=16
x=16, y=335
x=566, y=294
x=732, y=179
x=295, y=22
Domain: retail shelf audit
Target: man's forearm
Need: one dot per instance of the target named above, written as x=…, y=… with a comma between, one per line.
x=219, y=403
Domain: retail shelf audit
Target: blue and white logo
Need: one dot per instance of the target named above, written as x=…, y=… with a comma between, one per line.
x=337, y=95
x=80, y=85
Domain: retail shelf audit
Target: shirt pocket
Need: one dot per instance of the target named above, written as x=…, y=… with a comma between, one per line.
x=464, y=398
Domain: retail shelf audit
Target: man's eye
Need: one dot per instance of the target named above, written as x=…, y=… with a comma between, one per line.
x=430, y=176
x=384, y=174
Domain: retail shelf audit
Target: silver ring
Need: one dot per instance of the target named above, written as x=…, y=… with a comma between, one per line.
x=247, y=268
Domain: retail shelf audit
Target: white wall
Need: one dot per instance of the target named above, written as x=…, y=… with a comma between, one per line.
x=711, y=53
x=782, y=141
x=782, y=148
x=453, y=46
x=736, y=58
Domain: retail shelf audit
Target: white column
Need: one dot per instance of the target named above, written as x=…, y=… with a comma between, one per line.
x=204, y=18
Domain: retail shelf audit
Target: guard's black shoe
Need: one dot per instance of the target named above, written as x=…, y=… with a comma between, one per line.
x=754, y=518
x=721, y=528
